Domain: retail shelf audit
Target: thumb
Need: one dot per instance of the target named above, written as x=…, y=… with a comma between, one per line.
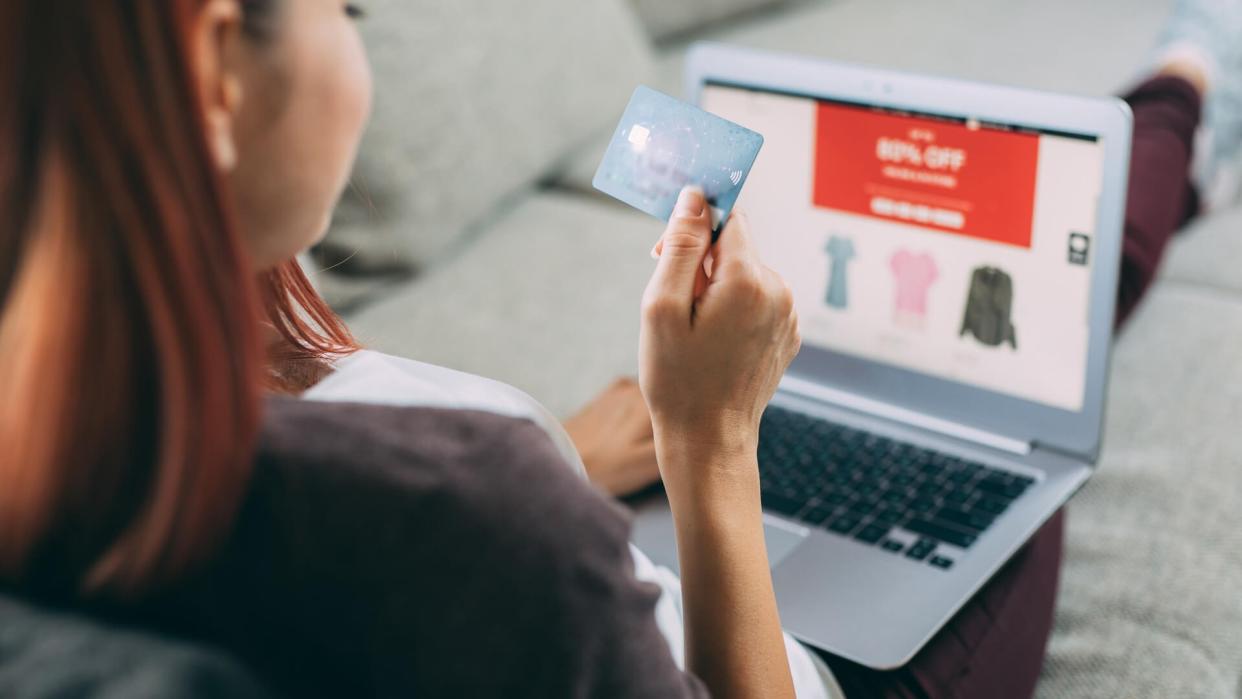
x=736, y=247
x=686, y=242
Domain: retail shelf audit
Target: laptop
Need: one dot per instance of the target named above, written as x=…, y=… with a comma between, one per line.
x=954, y=251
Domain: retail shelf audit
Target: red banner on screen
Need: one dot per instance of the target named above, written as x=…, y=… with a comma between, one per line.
x=949, y=177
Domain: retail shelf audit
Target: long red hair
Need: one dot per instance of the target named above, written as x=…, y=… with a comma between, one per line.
x=133, y=355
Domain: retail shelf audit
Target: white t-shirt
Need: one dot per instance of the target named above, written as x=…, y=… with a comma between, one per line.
x=371, y=377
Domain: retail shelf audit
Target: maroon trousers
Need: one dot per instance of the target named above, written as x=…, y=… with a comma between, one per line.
x=995, y=646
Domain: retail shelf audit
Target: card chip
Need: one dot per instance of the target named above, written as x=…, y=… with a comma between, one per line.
x=639, y=135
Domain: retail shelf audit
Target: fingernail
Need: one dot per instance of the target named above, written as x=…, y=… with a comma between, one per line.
x=655, y=255
x=690, y=203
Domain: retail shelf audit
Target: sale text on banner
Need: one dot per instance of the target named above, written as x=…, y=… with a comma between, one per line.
x=948, y=176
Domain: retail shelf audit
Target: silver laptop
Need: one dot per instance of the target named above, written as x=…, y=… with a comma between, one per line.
x=954, y=251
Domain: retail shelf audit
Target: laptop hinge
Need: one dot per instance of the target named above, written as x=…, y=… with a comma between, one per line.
x=885, y=411
x=1065, y=453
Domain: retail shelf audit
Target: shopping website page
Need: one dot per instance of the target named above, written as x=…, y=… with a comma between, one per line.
x=955, y=248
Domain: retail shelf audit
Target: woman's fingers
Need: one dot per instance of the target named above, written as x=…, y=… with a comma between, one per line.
x=659, y=246
x=735, y=248
x=685, y=244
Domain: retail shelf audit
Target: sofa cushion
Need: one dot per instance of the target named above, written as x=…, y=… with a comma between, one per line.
x=46, y=655
x=547, y=301
x=1209, y=252
x=666, y=19
x=1045, y=45
x=1148, y=604
x=475, y=100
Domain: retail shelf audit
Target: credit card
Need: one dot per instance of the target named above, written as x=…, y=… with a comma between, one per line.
x=663, y=144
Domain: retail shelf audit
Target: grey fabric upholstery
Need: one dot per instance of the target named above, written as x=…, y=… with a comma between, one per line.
x=548, y=301
x=1210, y=253
x=475, y=100
x=668, y=19
x=1149, y=604
x=45, y=655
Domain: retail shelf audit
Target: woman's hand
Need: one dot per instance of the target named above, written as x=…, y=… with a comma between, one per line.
x=716, y=339
x=613, y=434
x=713, y=347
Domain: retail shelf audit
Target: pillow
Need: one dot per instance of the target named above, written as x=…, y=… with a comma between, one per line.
x=668, y=18
x=475, y=100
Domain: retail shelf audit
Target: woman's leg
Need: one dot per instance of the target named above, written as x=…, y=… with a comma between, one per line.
x=1166, y=115
x=995, y=646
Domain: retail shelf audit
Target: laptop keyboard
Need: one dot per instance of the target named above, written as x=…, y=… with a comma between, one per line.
x=907, y=500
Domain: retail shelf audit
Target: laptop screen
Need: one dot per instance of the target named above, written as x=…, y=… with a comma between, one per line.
x=941, y=244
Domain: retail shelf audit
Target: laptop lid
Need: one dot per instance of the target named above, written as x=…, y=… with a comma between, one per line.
x=954, y=248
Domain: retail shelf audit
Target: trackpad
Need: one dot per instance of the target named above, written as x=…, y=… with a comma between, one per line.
x=781, y=538
x=654, y=534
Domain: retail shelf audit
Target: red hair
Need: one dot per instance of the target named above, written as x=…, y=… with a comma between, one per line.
x=132, y=350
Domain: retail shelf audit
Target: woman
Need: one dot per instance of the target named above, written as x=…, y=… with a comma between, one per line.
x=429, y=538
x=173, y=159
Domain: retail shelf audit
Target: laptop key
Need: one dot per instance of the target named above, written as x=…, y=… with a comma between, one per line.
x=921, y=549
x=872, y=534
x=992, y=505
x=922, y=504
x=889, y=516
x=893, y=545
x=836, y=497
x=941, y=562
x=956, y=496
x=1008, y=491
x=868, y=501
x=974, y=521
x=844, y=524
x=781, y=504
x=936, y=530
x=894, y=496
x=961, y=476
x=817, y=514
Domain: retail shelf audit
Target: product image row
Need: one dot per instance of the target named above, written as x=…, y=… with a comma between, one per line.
x=989, y=304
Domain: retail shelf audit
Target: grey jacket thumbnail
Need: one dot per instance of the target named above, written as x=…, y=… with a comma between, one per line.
x=989, y=308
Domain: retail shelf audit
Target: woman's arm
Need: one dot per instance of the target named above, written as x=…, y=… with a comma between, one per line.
x=734, y=641
x=713, y=349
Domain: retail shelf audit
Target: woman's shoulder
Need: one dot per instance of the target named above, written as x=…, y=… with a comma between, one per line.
x=399, y=549
x=379, y=379
x=442, y=542
x=433, y=470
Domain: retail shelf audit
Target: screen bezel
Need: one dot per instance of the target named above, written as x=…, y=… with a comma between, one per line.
x=1106, y=119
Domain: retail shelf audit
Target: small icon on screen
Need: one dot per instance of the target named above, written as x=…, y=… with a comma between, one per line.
x=736, y=177
x=1079, y=249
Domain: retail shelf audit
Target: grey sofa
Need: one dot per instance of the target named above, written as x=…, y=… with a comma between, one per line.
x=538, y=282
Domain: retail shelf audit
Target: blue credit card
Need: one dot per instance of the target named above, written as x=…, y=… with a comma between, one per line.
x=664, y=144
